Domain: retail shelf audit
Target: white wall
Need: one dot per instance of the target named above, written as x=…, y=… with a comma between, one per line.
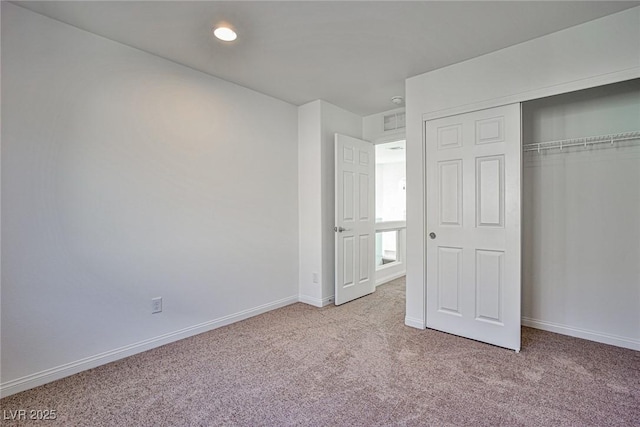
x=310, y=202
x=390, y=197
x=581, y=217
x=598, y=52
x=126, y=177
x=318, y=121
x=373, y=127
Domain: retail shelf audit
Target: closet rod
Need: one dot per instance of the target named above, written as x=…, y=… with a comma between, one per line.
x=588, y=140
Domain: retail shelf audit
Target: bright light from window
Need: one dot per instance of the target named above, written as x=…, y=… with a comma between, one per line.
x=391, y=182
x=225, y=34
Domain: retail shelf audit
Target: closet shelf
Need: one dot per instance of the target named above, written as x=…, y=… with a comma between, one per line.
x=585, y=141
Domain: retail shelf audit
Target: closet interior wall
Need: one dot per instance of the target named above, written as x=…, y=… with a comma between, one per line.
x=581, y=216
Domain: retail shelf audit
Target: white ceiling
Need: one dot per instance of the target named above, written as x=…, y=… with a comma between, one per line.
x=353, y=54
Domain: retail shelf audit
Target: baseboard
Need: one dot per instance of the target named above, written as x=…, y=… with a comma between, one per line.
x=49, y=375
x=387, y=278
x=414, y=323
x=316, y=302
x=618, y=341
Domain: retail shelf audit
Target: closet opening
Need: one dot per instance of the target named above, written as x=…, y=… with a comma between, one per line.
x=581, y=214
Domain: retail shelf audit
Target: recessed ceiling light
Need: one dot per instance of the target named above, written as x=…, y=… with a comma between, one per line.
x=225, y=34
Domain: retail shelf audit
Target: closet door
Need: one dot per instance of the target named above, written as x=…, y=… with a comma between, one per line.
x=473, y=225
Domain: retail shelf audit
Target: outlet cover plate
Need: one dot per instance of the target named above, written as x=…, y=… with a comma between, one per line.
x=156, y=305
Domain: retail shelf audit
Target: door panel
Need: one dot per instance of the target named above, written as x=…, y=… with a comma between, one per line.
x=473, y=220
x=355, y=218
x=363, y=194
x=489, y=282
x=348, y=189
x=490, y=191
x=449, y=279
x=450, y=192
x=348, y=253
x=365, y=243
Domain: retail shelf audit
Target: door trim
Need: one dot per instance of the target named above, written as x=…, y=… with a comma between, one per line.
x=543, y=92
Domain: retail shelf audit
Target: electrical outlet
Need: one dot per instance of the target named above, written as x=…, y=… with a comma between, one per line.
x=315, y=277
x=156, y=305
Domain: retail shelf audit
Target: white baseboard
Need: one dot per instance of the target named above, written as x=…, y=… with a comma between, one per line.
x=316, y=302
x=49, y=375
x=414, y=323
x=389, y=277
x=618, y=341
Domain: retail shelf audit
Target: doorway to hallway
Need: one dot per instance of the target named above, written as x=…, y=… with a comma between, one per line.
x=391, y=214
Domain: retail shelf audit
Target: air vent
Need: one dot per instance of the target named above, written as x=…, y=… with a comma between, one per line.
x=394, y=121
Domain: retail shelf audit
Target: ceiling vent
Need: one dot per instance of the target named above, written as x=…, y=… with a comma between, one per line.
x=394, y=121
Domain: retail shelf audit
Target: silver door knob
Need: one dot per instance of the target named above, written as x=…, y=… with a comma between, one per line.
x=340, y=229
x=432, y=235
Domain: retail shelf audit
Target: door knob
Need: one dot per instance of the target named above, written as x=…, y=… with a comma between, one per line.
x=340, y=229
x=432, y=235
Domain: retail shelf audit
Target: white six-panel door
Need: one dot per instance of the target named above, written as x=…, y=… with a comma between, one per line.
x=473, y=225
x=355, y=218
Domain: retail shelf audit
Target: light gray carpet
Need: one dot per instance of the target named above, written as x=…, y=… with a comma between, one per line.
x=352, y=365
